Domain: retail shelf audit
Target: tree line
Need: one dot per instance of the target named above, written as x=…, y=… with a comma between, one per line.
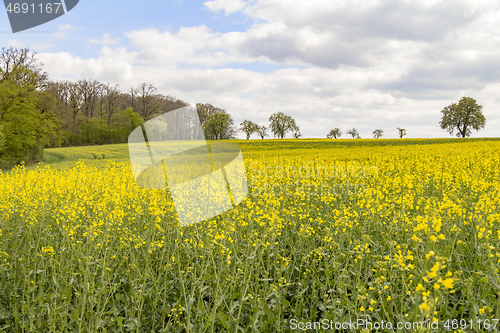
x=36, y=112
x=457, y=119
x=280, y=125
x=336, y=133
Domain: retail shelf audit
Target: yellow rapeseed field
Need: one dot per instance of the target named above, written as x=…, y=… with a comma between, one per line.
x=405, y=231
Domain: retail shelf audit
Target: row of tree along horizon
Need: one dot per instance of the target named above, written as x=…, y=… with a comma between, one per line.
x=282, y=124
x=458, y=119
x=36, y=112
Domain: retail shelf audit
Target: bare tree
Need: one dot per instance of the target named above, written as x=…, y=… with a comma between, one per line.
x=402, y=132
x=296, y=132
x=74, y=103
x=334, y=133
x=354, y=133
x=378, y=133
x=112, y=101
x=262, y=130
x=147, y=100
x=90, y=94
x=21, y=66
x=249, y=127
x=133, y=98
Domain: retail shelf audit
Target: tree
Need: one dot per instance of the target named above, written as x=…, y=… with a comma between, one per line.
x=21, y=66
x=463, y=117
x=249, y=127
x=111, y=101
x=334, y=133
x=206, y=110
x=281, y=124
x=123, y=123
x=27, y=113
x=147, y=101
x=89, y=92
x=28, y=123
x=216, y=125
x=262, y=130
x=296, y=132
x=2, y=137
x=378, y=133
x=402, y=132
x=354, y=133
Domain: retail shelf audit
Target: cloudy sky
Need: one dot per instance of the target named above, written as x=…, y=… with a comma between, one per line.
x=363, y=64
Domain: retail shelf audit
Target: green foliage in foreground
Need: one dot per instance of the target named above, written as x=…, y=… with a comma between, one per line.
x=80, y=248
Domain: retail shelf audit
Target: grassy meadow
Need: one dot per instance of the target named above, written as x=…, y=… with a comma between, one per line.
x=332, y=230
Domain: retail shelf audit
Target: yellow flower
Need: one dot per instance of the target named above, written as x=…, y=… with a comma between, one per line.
x=362, y=309
x=424, y=307
x=448, y=283
x=420, y=287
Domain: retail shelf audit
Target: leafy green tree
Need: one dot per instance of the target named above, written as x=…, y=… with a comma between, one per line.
x=463, y=117
x=2, y=137
x=96, y=131
x=249, y=127
x=262, y=130
x=378, y=133
x=206, y=110
x=334, y=133
x=402, y=132
x=354, y=133
x=281, y=124
x=27, y=127
x=26, y=112
x=124, y=123
x=216, y=125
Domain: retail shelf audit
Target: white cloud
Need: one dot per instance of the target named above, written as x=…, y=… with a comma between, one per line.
x=42, y=46
x=63, y=29
x=228, y=6
x=105, y=40
x=363, y=64
x=63, y=65
x=16, y=44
